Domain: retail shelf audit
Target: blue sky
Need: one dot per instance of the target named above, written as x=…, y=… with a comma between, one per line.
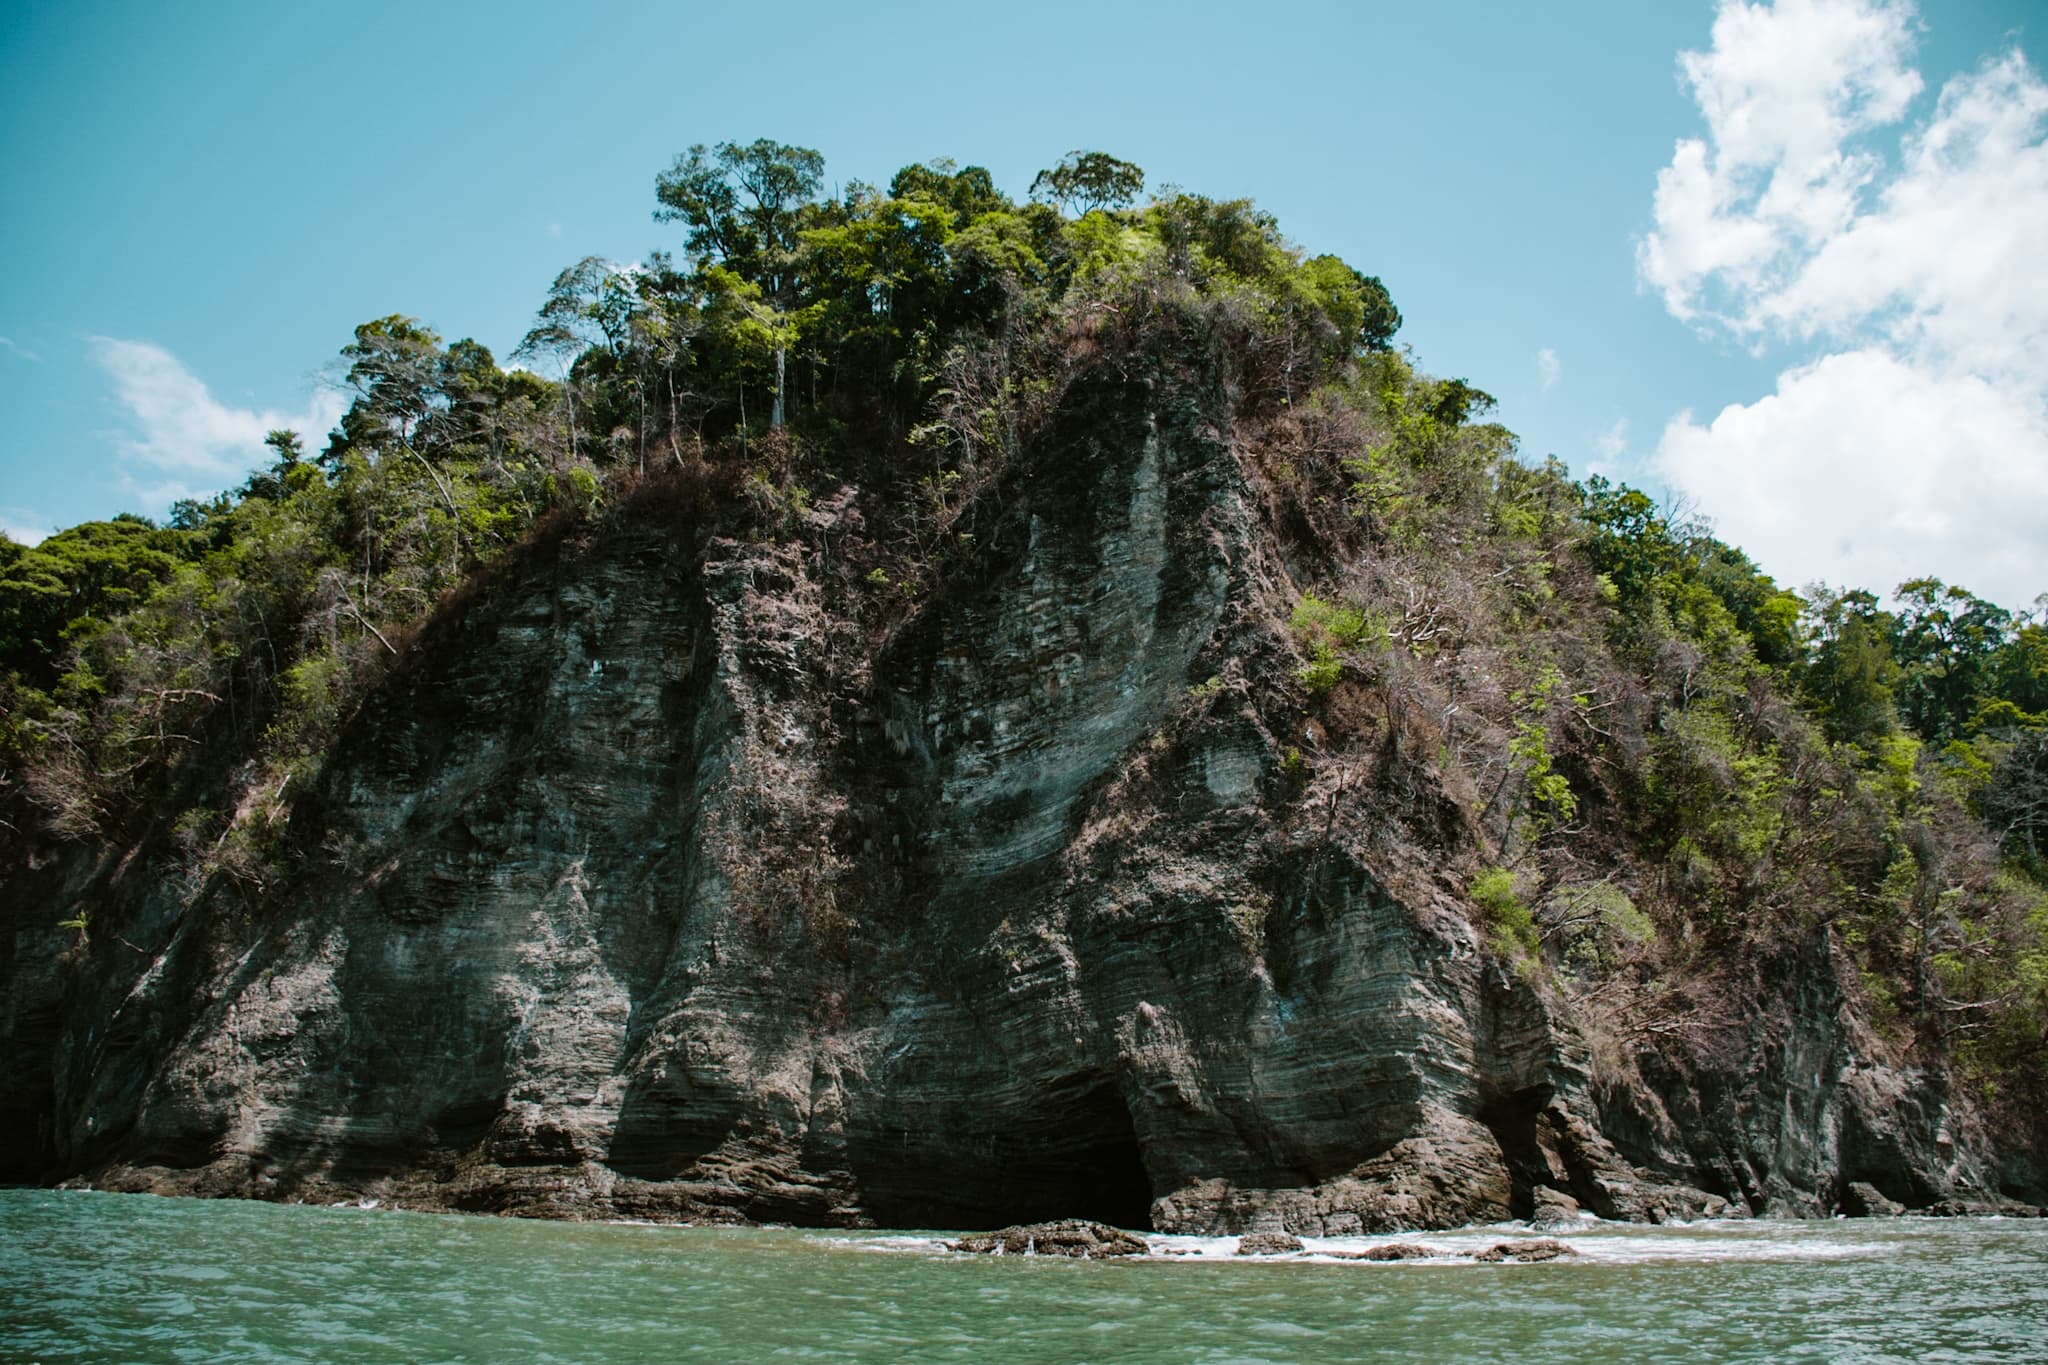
x=1827, y=328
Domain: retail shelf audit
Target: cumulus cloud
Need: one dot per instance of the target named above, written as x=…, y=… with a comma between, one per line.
x=1784, y=90
x=1549, y=367
x=185, y=442
x=1864, y=469
x=1912, y=437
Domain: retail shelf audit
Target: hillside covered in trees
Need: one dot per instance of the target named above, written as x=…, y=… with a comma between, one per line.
x=1666, y=793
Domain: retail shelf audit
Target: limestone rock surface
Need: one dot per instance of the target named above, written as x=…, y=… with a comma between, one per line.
x=670, y=878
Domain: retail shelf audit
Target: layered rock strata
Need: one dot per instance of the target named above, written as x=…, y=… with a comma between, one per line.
x=662, y=882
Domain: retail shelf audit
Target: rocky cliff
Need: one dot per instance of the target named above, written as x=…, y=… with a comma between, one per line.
x=678, y=873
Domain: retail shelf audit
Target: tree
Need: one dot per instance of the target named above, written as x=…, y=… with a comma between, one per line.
x=883, y=290
x=2015, y=798
x=2021, y=670
x=287, y=445
x=736, y=318
x=75, y=581
x=1357, y=305
x=1381, y=319
x=271, y=484
x=1086, y=181
x=969, y=193
x=1851, y=675
x=743, y=207
x=1946, y=641
x=741, y=203
x=394, y=366
x=593, y=303
x=470, y=380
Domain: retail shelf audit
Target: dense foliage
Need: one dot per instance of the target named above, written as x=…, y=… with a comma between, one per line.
x=1665, y=755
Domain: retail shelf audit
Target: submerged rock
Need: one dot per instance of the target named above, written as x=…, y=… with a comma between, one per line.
x=1074, y=1237
x=1532, y=1249
x=1975, y=1205
x=1392, y=1251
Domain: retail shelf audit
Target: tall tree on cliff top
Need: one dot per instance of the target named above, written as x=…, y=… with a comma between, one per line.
x=742, y=206
x=591, y=304
x=1086, y=181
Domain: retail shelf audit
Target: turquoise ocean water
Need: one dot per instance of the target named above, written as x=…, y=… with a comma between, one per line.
x=87, y=1276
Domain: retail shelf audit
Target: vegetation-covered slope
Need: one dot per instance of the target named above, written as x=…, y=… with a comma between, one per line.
x=1652, y=775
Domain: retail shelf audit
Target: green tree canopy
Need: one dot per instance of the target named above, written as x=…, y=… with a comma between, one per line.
x=742, y=204
x=1946, y=643
x=1086, y=181
x=1851, y=677
x=75, y=581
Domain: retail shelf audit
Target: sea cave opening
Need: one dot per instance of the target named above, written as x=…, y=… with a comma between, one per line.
x=1075, y=1155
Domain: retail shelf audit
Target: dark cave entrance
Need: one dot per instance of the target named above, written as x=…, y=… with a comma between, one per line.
x=1075, y=1155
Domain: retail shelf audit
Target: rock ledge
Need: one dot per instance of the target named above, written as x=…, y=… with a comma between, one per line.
x=1074, y=1237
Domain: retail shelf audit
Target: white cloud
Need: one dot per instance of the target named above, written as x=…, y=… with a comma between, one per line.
x=25, y=525
x=1911, y=282
x=10, y=344
x=189, y=442
x=1612, y=443
x=1784, y=90
x=1946, y=260
x=1549, y=367
x=1836, y=478
x=1608, y=448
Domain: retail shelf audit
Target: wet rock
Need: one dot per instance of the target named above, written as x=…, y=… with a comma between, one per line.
x=1972, y=1205
x=1449, y=1173
x=1267, y=1244
x=1531, y=1249
x=1074, y=1237
x=1646, y=1201
x=1392, y=1251
x=1864, y=1200
x=1555, y=1208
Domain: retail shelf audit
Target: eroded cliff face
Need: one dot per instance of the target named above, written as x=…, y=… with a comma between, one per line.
x=663, y=881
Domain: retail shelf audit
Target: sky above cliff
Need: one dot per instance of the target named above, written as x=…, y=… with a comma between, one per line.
x=1779, y=264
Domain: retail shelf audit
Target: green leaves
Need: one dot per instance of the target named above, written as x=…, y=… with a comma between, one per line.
x=1511, y=928
x=1947, y=643
x=1330, y=634
x=741, y=204
x=59, y=592
x=1084, y=182
x=1357, y=305
x=1550, y=798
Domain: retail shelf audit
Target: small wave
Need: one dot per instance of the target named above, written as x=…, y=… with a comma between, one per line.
x=919, y=1243
x=1592, y=1241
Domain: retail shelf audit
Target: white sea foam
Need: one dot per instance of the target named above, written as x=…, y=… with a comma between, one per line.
x=1592, y=1241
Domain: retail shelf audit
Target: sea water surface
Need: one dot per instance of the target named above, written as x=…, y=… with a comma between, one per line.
x=87, y=1276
